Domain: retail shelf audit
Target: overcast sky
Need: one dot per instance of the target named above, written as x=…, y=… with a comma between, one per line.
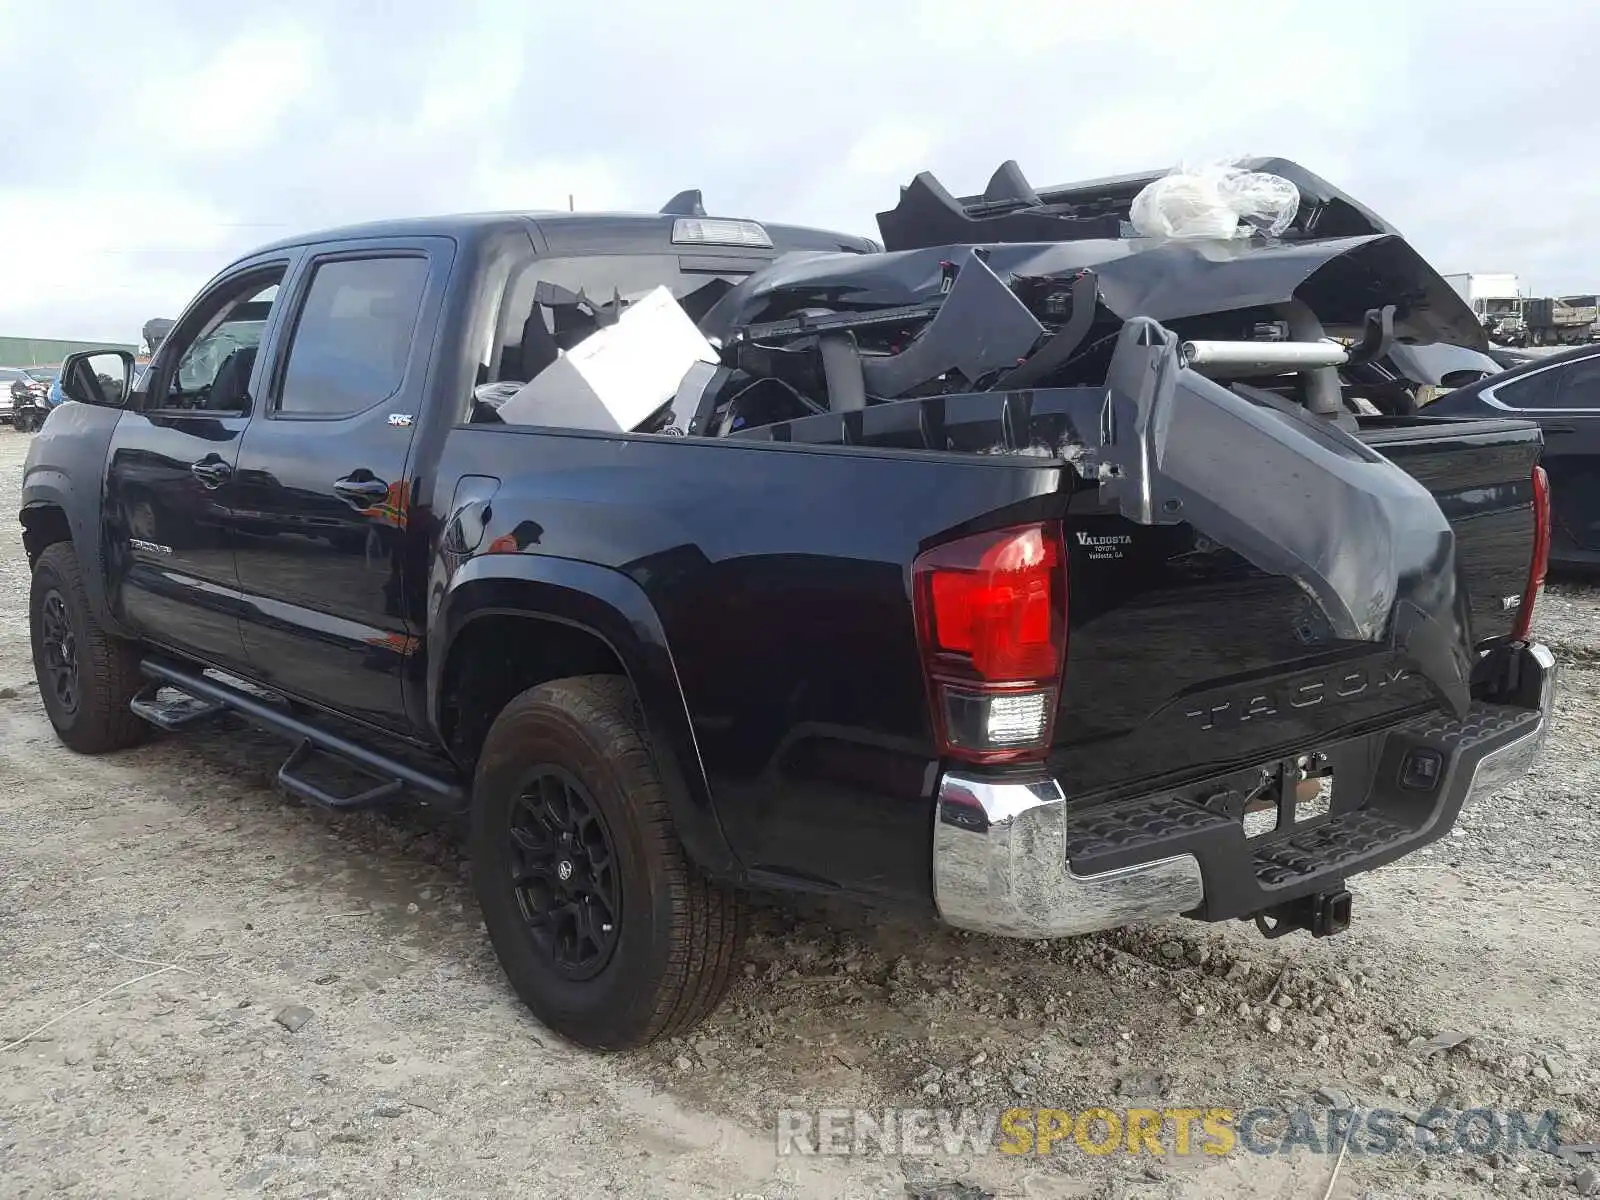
x=144, y=143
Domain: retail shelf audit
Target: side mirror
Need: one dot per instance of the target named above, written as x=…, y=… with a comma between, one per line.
x=99, y=377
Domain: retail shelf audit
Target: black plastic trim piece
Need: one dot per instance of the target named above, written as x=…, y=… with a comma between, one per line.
x=174, y=715
x=381, y=792
x=291, y=726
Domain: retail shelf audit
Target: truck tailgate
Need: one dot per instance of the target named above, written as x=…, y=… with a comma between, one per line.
x=1187, y=661
x=1480, y=472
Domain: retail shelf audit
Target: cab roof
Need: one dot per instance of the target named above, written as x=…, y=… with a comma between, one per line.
x=585, y=232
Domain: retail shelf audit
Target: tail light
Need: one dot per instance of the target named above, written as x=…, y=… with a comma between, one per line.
x=1541, y=554
x=991, y=615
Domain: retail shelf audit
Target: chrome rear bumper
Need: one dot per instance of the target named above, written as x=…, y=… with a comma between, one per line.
x=1501, y=767
x=1000, y=866
x=1000, y=861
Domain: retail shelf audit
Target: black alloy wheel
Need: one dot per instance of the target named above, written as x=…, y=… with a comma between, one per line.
x=60, y=650
x=86, y=676
x=609, y=933
x=565, y=871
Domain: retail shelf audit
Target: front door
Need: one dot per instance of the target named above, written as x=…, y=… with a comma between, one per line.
x=322, y=502
x=168, y=480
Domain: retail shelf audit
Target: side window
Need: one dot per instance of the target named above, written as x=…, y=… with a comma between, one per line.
x=353, y=336
x=1580, y=385
x=1538, y=390
x=215, y=357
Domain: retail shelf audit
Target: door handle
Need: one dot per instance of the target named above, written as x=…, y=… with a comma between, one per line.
x=212, y=472
x=1559, y=428
x=363, y=493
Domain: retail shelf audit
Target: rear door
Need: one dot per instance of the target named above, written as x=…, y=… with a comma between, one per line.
x=1565, y=400
x=323, y=499
x=170, y=474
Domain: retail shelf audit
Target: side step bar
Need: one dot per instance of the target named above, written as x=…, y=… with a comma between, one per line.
x=296, y=784
x=182, y=711
x=390, y=773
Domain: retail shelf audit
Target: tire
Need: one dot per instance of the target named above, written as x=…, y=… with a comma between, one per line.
x=674, y=938
x=101, y=672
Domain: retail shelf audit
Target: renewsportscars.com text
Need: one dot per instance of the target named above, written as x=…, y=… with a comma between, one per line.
x=1161, y=1131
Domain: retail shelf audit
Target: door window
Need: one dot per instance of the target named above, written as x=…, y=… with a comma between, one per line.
x=353, y=337
x=1538, y=390
x=214, y=362
x=1580, y=385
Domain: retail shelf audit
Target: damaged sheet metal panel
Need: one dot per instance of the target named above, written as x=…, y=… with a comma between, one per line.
x=1362, y=538
x=927, y=214
x=1324, y=210
x=1340, y=279
x=982, y=327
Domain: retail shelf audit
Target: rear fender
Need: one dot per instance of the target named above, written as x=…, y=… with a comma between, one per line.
x=613, y=608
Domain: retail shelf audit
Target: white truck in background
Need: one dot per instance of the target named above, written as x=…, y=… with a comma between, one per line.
x=1497, y=298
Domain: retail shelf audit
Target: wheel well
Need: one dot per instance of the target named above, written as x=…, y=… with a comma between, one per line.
x=498, y=657
x=43, y=525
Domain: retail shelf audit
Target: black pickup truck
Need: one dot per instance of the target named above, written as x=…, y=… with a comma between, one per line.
x=1017, y=571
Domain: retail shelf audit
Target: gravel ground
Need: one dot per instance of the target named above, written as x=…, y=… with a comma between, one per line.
x=224, y=914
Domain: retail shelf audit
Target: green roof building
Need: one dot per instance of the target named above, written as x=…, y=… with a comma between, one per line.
x=48, y=352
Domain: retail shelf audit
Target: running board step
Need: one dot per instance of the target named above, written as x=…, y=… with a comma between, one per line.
x=292, y=780
x=177, y=711
x=391, y=771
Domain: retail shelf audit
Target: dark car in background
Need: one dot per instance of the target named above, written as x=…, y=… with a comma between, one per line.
x=26, y=389
x=10, y=377
x=1562, y=393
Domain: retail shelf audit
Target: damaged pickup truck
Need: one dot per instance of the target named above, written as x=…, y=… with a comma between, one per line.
x=1025, y=571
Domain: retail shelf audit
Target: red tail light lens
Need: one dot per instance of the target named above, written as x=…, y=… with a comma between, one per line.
x=992, y=620
x=1540, y=563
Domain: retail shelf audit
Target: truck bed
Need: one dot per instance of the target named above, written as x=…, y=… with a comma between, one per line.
x=778, y=559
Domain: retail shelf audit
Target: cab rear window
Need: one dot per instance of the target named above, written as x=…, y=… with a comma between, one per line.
x=552, y=304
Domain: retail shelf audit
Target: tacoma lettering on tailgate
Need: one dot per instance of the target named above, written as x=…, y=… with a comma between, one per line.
x=1269, y=700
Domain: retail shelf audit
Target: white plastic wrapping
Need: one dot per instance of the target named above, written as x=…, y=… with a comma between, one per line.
x=1215, y=200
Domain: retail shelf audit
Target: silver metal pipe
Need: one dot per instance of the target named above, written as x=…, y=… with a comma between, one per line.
x=1294, y=355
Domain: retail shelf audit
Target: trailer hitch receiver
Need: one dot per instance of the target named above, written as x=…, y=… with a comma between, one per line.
x=1322, y=913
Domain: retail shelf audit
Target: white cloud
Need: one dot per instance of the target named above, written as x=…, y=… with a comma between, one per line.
x=224, y=102
x=592, y=184
x=85, y=263
x=476, y=74
x=205, y=132
x=889, y=148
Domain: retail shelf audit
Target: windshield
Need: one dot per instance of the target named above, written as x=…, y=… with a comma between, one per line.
x=43, y=374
